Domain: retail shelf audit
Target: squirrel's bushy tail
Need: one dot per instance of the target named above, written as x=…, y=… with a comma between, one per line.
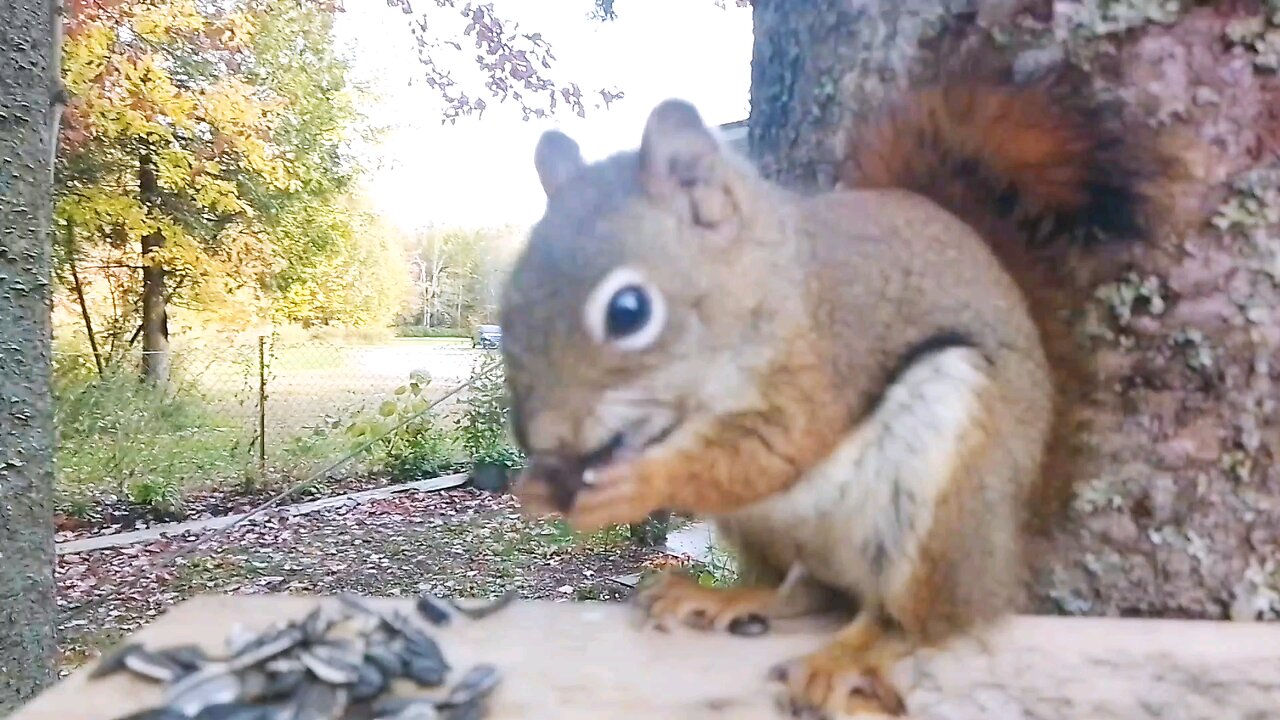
x=1036, y=157
x=1023, y=164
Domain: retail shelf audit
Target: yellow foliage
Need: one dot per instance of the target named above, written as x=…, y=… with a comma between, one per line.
x=158, y=91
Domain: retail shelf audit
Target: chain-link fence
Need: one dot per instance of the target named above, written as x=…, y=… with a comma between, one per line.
x=243, y=410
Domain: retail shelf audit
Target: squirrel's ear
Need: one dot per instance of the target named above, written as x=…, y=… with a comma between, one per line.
x=557, y=159
x=680, y=158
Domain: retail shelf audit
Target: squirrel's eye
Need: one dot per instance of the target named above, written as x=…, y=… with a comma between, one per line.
x=628, y=312
x=625, y=310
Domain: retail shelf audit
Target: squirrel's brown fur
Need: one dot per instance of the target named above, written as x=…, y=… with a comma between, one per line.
x=1031, y=166
x=869, y=389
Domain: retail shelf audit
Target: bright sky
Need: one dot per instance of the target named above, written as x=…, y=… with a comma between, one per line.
x=479, y=172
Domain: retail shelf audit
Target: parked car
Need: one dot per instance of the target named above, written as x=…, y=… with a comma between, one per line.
x=488, y=337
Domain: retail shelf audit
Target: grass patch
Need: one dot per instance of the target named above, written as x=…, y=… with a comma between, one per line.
x=417, y=331
x=120, y=436
x=121, y=439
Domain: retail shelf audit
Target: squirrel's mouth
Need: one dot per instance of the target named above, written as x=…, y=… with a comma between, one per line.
x=624, y=446
x=567, y=476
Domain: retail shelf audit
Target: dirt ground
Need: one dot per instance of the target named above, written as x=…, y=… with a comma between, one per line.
x=461, y=543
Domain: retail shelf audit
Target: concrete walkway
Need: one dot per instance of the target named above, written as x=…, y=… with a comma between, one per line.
x=117, y=540
x=697, y=541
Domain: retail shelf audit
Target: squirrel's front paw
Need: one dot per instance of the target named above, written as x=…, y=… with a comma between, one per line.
x=834, y=683
x=612, y=496
x=534, y=497
x=677, y=598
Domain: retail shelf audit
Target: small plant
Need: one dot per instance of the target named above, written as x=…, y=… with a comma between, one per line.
x=420, y=450
x=412, y=447
x=483, y=426
x=719, y=570
x=163, y=494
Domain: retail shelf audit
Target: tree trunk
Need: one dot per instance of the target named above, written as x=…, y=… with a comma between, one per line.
x=1181, y=514
x=155, y=319
x=28, y=120
x=86, y=316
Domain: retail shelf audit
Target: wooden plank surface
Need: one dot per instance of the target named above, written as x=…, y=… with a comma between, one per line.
x=588, y=660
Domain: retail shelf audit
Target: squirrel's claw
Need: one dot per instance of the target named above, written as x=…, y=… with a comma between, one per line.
x=677, y=598
x=814, y=686
x=846, y=677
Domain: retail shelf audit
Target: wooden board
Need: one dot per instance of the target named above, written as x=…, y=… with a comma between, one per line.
x=573, y=661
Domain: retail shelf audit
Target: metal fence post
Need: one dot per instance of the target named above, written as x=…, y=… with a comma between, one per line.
x=262, y=403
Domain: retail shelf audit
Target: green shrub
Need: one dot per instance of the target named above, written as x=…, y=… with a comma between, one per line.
x=483, y=427
x=419, y=331
x=417, y=449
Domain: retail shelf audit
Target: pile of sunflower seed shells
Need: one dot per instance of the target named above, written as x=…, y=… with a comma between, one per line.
x=337, y=663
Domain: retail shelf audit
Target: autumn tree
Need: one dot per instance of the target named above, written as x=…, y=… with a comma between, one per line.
x=359, y=280
x=456, y=274
x=206, y=161
x=161, y=132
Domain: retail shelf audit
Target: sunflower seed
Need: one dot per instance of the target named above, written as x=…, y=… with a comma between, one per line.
x=423, y=648
x=475, y=685
x=474, y=710
x=283, y=684
x=239, y=638
x=433, y=609
x=371, y=683
x=425, y=672
x=113, y=662
x=387, y=661
x=329, y=665
x=406, y=628
x=318, y=622
x=483, y=610
x=359, y=606
x=156, y=714
x=317, y=701
x=237, y=711
x=267, y=647
x=405, y=709
x=187, y=657
x=212, y=685
x=154, y=666
x=284, y=664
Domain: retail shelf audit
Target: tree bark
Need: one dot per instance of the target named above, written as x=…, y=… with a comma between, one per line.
x=1180, y=514
x=29, y=112
x=155, y=325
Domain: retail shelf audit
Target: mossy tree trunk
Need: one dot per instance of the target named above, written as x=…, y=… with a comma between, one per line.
x=28, y=119
x=1180, y=513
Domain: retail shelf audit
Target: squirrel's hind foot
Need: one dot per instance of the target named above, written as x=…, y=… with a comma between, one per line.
x=845, y=678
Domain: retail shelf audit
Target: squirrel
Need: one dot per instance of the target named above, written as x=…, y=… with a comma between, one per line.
x=868, y=389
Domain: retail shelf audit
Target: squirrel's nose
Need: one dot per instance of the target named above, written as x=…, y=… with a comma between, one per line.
x=551, y=437
x=543, y=433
